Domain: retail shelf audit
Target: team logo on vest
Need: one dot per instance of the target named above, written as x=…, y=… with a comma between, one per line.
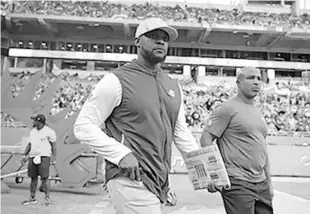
x=91, y=96
x=305, y=161
x=171, y=93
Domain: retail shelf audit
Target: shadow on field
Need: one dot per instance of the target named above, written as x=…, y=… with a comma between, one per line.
x=97, y=189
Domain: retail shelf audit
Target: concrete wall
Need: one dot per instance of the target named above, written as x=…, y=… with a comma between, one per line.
x=12, y=136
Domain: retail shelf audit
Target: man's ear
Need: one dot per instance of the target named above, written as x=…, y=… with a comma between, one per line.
x=137, y=42
x=238, y=82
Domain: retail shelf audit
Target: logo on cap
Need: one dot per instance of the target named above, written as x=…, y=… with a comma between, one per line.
x=40, y=117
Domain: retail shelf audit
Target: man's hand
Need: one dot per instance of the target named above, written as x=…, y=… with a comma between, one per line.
x=130, y=166
x=53, y=160
x=271, y=190
x=24, y=159
x=172, y=198
x=212, y=187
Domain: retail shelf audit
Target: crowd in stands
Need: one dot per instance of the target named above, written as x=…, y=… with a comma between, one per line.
x=285, y=106
x=140, y=11
x=71, y=93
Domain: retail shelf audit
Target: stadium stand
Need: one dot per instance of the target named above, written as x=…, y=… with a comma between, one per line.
x=170, y=13
x=286, y=111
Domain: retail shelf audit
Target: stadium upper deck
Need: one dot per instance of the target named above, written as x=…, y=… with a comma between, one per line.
x=90, y=28
x=80, y=41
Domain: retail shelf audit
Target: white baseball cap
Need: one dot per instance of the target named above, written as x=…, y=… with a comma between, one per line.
x=154, y=24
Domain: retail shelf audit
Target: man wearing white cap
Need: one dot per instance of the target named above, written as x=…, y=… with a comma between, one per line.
x=143, y=111
x=40, y=150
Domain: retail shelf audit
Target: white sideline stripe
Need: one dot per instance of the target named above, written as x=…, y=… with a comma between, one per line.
x=291, y=179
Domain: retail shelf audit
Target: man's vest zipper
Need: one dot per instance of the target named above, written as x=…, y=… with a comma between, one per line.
x=165, y=129
x=161, y=115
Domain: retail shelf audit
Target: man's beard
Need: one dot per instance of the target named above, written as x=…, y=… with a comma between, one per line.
x=151, y=57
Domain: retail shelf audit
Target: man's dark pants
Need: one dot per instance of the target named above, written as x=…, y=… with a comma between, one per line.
x=247, y=198
x=41, y=169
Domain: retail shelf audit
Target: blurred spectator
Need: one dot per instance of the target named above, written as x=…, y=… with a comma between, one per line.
x=272, y=129
x=292, y=122
x=280, y=121
x=140, y=11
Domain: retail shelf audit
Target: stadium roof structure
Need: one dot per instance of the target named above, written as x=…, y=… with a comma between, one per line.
x=191, y=35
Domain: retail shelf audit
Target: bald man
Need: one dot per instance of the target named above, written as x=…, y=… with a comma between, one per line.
x=240, y=131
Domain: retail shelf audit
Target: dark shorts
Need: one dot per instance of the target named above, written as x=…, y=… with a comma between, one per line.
x=247, y=198
x=42, y=169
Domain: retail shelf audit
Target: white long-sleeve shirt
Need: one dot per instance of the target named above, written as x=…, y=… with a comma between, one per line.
x=104, y=98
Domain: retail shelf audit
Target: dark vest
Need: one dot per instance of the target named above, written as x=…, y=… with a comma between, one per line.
x=146, y=118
